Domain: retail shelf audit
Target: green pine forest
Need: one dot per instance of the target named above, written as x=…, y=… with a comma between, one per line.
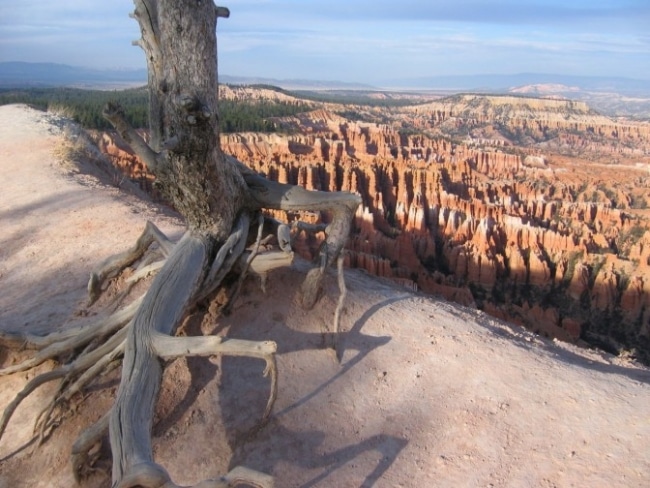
x=85, y=107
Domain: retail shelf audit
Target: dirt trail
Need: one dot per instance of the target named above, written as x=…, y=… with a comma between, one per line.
x=428, y=393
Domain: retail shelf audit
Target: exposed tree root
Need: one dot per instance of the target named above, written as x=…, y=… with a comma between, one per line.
x=85, y=449
x=81, y=337
x=116, y=264
x=266, y=262
x=65, y=372
x=65, y=340
x=167, y=347
x=95, y=359
x=172, y=293
x=141, y=375
x=69, y=387
x=333, y=343
x=218, y=196
x=246, y=265
x=227, y=256
x=279, y=196
x=151, y=475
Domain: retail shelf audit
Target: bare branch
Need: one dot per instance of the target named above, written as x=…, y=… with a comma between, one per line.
x=223, y=12
x=115, y=116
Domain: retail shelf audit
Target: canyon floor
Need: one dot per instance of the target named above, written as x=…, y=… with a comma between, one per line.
x=427, y=393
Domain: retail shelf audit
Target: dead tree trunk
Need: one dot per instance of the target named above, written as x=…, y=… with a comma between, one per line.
x=179, y=40
x=218, y=197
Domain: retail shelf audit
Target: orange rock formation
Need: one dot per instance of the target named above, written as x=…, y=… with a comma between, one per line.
x=543, y=239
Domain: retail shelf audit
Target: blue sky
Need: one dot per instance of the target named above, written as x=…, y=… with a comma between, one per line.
x=367, y=41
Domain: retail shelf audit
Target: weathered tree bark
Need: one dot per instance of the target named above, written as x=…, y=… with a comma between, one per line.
x=218, y=196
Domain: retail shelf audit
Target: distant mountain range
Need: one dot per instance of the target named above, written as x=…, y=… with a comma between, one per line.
x=504, y=83
x=295, y=84
x=19, y=74
x=610, y=95
x=50, y=74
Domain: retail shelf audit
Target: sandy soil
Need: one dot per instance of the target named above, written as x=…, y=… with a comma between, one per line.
x=428, y=393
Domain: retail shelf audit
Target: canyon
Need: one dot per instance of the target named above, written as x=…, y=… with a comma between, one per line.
x=427, y=392
x=534, y=210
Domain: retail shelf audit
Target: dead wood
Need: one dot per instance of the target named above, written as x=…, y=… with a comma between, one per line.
x=116, y=264
x=218, y=197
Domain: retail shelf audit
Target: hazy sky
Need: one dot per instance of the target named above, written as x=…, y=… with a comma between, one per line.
x=368, y=41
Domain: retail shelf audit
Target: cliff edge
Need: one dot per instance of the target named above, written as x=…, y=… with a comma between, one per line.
x=428, y=393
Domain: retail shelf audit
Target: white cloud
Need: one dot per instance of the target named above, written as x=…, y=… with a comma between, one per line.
x=359, y=38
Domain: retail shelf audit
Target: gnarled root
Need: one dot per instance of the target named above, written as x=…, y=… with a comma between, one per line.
x=102, y=340
x=68, y=372
x=144, y=326
x=152, y=475
x=140, y=332
x=116, y=264
x=84, y=451
x=279, y=196
x=172, y=293
x=311, y=286
x=58, y=344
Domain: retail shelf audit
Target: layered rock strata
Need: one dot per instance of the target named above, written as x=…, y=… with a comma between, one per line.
x=558, y=244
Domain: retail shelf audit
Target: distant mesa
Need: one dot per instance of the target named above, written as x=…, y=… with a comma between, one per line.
x=545, y=89
x=504, y=83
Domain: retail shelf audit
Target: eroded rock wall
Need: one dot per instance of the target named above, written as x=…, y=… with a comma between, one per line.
x=483, y=227
x=543, y=240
